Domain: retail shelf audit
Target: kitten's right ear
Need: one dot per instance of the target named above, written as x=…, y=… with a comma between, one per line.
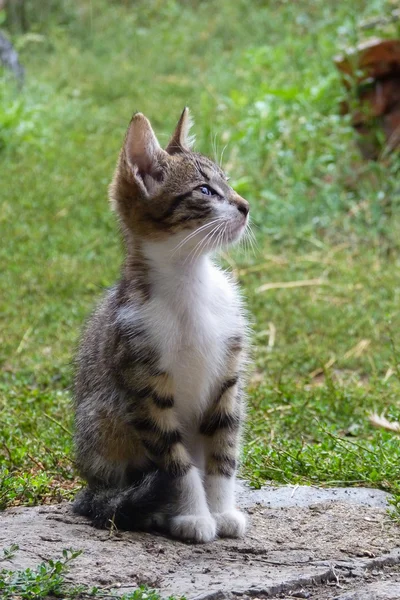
x=144, y=156
x=181, y=140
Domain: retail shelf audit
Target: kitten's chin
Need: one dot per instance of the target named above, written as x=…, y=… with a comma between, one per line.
x=235, y=232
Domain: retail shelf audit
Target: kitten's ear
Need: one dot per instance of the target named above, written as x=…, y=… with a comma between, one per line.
x=144, y=156
x=181, y=141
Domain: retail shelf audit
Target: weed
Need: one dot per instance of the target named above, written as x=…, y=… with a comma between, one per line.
x=33, y=584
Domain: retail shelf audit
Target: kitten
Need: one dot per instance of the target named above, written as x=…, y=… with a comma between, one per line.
x=159, y=399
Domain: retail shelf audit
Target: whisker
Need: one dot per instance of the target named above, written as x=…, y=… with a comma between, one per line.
x=253, y=224
x=249, y=241
x=222, y=155
x=243, y=242
x=193, y=233
x=197, y=249
x=214, y=146
x=192, y=254
x=216, y=232
x=249, y=246
x=200, y=243
x=251, y=234
x=221, y=238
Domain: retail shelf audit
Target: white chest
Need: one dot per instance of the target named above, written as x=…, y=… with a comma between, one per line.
x=191, y=323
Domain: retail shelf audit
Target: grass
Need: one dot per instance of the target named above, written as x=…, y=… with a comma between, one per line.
x=262, y=86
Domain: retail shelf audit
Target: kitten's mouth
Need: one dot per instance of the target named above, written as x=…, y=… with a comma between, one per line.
x=236, y=230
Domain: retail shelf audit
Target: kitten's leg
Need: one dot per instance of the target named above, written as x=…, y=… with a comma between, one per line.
x=158, y=428
x=221, y=428
x=193, y=520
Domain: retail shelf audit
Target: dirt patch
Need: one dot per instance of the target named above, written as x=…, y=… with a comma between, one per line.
x=321, y=550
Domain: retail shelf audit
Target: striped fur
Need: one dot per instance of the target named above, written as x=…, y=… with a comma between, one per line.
x=159, y=382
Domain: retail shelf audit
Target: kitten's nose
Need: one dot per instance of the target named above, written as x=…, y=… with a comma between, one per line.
x=242, y=205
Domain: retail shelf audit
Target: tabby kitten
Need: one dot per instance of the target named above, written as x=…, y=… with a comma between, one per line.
x=159, y=400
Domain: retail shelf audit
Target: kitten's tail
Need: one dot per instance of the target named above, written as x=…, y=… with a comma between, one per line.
x=131, y=508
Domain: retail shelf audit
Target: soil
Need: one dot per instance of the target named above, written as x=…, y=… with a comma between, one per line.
x=302, y=543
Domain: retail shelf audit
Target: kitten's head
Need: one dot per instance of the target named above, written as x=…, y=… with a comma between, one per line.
x=174, y=195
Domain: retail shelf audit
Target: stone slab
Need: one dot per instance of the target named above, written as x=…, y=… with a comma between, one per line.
x=288, y=548
x=374, y=591
x=304, y=495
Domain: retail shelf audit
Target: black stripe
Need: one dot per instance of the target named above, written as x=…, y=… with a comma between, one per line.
x=147, y=392
x=143, y=393
x=122, y=293
x=192, y=217
x=235, y=343
x=169, y=438
x=122, y=353
x=225, y=471
x=219, y=421
x=227, y=385
x=145, y=424
x=162, y=402
x=206, y=177
x=199, y=205
x=173, y=206
x=162, y=445
x=135, y=395
x=153, y=448
x=177, y=468
x=224, y=460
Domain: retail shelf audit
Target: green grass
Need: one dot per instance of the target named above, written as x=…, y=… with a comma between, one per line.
x=262, y=86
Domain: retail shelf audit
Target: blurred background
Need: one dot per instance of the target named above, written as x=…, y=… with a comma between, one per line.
x=322, y=283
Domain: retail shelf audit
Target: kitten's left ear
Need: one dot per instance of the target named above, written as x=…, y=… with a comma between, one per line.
x=181, y=140
x=144, y=155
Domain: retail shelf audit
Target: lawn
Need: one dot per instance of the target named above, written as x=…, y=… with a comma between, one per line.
x=322, y=284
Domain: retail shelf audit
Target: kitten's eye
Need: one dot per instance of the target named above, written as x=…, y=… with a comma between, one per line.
x=206, y=190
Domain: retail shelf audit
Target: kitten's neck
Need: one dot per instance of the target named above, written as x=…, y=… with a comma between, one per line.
x=164, y=264
x=165, y=271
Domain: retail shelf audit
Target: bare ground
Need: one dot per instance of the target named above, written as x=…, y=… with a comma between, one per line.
x=302, y=543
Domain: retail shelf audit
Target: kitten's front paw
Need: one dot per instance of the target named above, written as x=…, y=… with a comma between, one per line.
x=193, y=528
x=231, y=523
